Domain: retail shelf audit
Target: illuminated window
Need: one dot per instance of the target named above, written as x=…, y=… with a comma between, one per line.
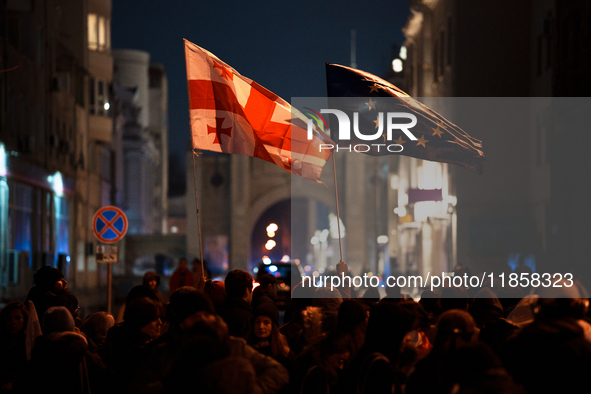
x=98, y=97
x=99, y=33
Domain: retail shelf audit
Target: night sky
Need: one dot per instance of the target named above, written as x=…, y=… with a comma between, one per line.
x=281, y=45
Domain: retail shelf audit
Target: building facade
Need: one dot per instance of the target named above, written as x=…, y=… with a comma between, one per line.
x=56, y=141
x=527, y=208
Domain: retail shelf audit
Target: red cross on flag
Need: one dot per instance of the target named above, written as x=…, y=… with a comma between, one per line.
x=233, y=114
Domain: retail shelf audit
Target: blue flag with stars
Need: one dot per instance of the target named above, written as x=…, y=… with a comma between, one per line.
x=437, y=139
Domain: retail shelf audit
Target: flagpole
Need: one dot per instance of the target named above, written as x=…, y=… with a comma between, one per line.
x=198, y=219
x=334, y=167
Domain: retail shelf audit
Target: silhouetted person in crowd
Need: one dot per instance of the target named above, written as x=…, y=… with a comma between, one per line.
x=49, y=286
x=374, y=368
x=393, y=295
x=319, y=368
x=455, y=328
x=192, y=319
x=56, y=364
x=454, y=298
x=237, y=311
x=216, y=290
x=124, y=346
x=371, y=296
x=328, y=300
x=13, y=353
x=95, y=329
x=301, y=298
x=431, y=304
x=151, y=280
x=181, y=277
x=71, y=303
x=476, y=369
x=487, y=311
x=352, y=321
x=553, y=354
x=136, y=293
x=198, y=275
x=266, y=291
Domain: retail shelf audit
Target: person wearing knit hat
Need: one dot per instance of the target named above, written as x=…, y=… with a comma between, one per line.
x=125, y=346
x=50, y=284
x=265, y=336
x=269, y=310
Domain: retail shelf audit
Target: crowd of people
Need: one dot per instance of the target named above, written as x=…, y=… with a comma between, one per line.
x=228, y=337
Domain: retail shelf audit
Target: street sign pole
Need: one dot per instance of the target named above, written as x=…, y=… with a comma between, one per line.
x=108, y=254
x=109, y=225
x=109, y=288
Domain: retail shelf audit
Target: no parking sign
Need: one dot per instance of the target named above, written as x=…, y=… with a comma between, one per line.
x=109, y=224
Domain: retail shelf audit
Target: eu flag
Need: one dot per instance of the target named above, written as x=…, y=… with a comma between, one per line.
x=436, y=138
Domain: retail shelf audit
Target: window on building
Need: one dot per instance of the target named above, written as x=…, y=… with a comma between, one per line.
x=99, y=33
x=91, y=96
x=20, y=217
x=99, y=101
x=100, y=97
x=62, y=222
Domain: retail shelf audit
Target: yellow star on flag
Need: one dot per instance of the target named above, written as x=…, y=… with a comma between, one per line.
x=422, y=141
x=373, y=88
x=399, y=141
x=371, y=104
x=437, y=132
x=377, y=122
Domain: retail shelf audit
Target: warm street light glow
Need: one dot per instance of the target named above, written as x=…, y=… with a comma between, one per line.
x=402, y=53
x=397, y=65
x=270, y=244
x=271, y=228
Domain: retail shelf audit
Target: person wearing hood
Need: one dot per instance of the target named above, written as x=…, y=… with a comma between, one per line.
x=152, y=281
x=50, y=286
x=57, y=363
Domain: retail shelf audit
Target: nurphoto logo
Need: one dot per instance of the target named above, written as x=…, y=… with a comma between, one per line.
x=392, y=122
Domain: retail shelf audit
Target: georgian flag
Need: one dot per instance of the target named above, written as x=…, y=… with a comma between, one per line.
x=233, y=114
